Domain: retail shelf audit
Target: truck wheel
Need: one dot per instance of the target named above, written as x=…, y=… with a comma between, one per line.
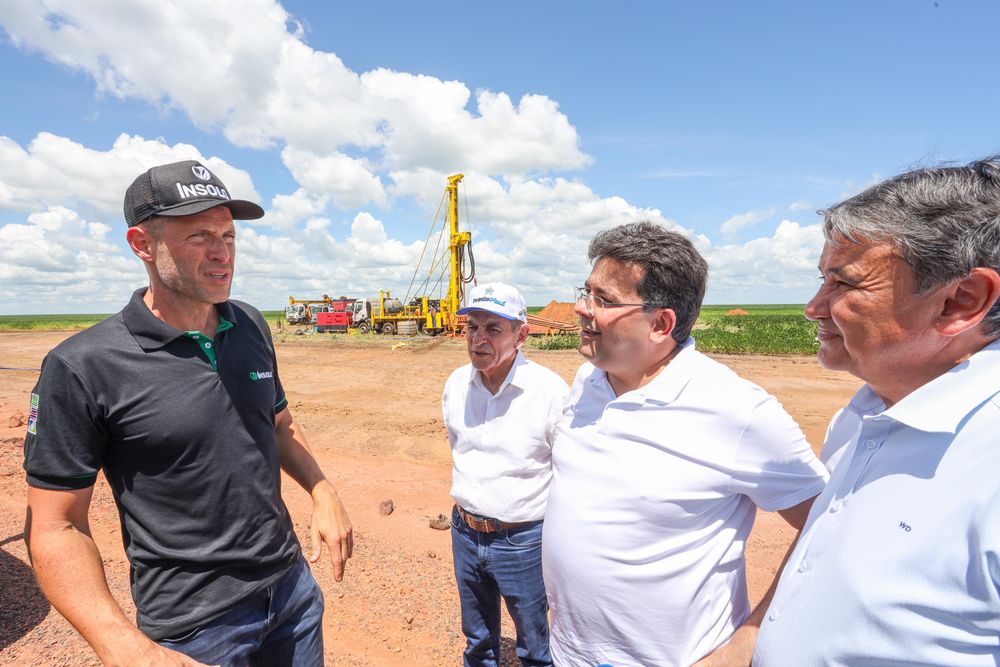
x=388, y=328
x=364, y=328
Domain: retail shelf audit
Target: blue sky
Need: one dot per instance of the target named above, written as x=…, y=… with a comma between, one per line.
x=730, y=121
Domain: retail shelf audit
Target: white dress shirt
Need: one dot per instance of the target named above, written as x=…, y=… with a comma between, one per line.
x=899, y=561
x=501, y=444
x=654, y=493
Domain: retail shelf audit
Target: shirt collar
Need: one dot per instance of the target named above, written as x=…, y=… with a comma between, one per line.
x=666, y=385
x=476, y=378
x=866, y=402
x=149, y=330
x=942, y=404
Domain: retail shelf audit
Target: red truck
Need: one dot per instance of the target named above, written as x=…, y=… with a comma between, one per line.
x=337, y=319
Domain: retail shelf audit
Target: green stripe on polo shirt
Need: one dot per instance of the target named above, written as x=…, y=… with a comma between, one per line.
x=206, y=344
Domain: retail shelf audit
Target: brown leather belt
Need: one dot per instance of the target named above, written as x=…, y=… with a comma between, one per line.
x=485, y=524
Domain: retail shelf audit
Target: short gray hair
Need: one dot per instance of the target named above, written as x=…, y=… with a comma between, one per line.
x=674, y=272
x=943, y=221
x=154, y=225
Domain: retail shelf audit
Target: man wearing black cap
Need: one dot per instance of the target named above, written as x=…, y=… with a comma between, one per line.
x=177, y=399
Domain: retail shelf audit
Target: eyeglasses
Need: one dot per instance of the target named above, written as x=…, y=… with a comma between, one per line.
x=595, y=304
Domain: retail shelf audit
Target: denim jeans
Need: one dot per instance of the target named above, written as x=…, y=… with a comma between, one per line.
x=490, y=565
x=279, y=625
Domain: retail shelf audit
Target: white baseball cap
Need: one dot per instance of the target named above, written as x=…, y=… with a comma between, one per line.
x=497, y=298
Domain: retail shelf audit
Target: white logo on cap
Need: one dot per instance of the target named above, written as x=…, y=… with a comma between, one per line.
x=201, y=172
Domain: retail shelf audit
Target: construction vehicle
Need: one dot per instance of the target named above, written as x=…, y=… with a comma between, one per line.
x=338, y=318
x=303, y=311
x=423, y=312
x=389, y=316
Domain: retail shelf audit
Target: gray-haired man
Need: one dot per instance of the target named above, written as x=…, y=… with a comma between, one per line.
x=899, y=561
x=500, y=410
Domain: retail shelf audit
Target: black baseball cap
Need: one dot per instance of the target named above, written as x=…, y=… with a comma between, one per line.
x=182, y=188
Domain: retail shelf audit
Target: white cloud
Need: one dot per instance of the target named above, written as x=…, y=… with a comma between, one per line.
x=534, y=235
x=531, y=232
x=55, y=260
x=57, y=170
x=349, y=139
x=287, y=211
x=348, y=182
x=273, y=89
x=742, y=220
x=765, y=269
x=801, y=205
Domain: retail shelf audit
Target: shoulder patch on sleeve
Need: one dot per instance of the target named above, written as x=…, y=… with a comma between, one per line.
x=33, y=414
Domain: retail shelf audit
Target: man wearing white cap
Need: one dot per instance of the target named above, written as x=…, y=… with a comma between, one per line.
x=500, y=411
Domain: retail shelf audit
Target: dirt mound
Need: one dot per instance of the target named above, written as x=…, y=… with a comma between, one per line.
x=561, y=312
x=737, y=311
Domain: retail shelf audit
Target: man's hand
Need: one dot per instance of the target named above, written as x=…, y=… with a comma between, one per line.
x=737, y=652
x=152, y=654
x=332, y=526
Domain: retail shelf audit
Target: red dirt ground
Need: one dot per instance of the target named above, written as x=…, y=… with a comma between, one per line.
x=371, y=409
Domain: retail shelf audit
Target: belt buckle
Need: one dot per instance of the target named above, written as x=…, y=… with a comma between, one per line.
x=480, y=524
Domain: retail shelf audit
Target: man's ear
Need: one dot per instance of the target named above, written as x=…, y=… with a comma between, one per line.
x=142, y=243
x=664, y=322
x=522, y=336
x=968, y=301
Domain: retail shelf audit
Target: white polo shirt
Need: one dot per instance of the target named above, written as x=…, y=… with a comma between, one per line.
x=899, y=562
x=654, y=493
x=845, y=424
x=501, y=445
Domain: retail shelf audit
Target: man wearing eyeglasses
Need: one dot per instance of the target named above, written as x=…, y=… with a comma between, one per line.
x=500, y=411
x=660, y=462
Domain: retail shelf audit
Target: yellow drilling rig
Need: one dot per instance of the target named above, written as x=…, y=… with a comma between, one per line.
x=431, y=305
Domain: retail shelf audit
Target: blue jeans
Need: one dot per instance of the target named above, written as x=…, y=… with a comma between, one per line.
x=490, y=565
x=279, y=625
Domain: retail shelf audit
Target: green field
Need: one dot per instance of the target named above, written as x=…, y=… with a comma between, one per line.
x=768, y=329
x=48, y=322
x=73, y=322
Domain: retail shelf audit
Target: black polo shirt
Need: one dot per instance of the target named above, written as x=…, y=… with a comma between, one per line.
x=188, y=448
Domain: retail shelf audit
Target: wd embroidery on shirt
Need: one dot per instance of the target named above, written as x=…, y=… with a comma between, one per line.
x=260, y=375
